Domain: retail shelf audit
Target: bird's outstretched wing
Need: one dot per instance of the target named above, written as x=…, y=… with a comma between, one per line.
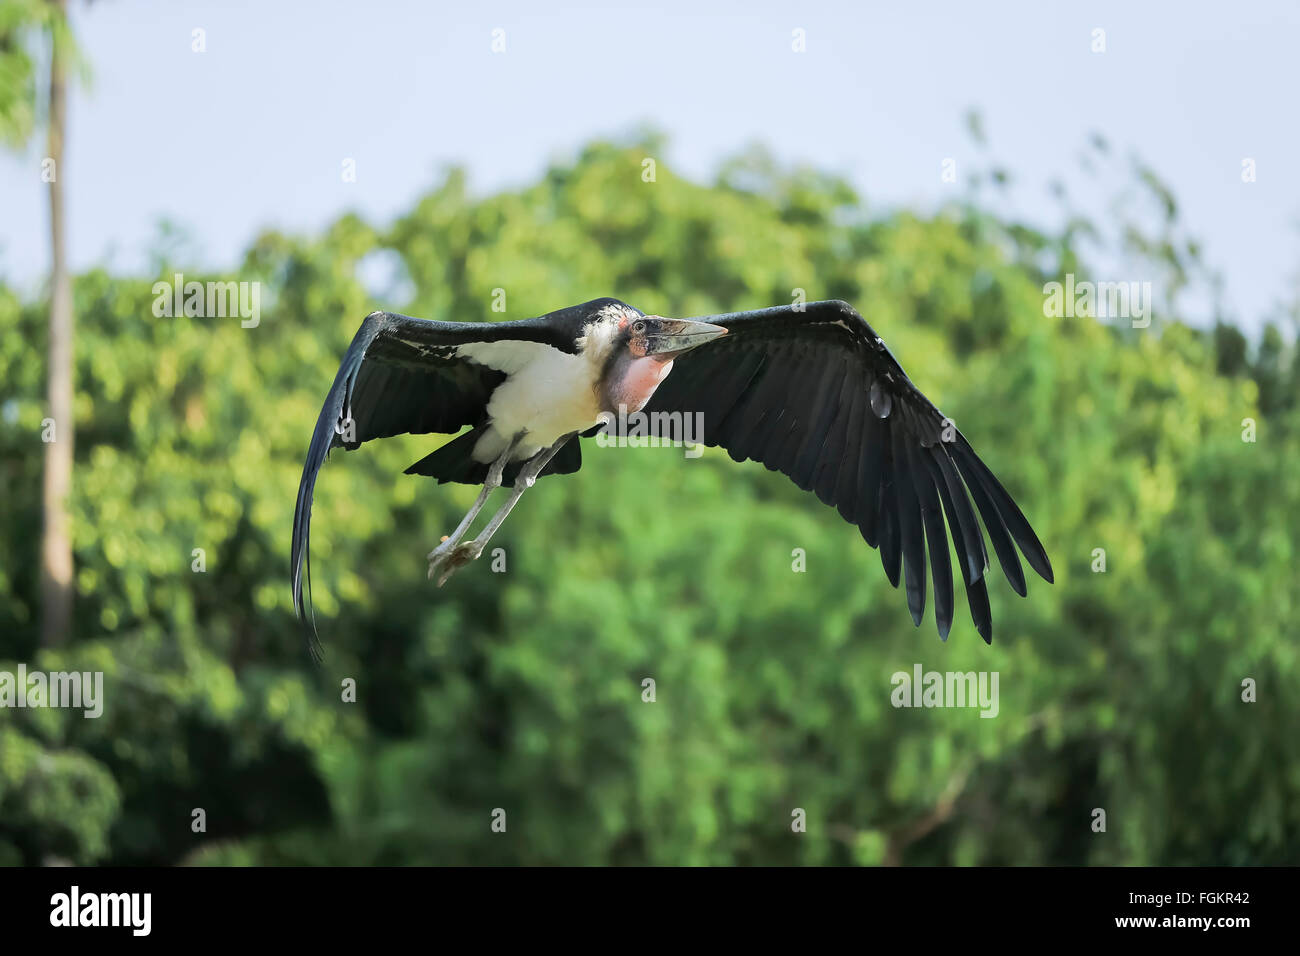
x=403, y=375
x=815, y=394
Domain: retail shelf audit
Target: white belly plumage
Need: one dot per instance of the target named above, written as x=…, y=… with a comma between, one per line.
x=547, y=394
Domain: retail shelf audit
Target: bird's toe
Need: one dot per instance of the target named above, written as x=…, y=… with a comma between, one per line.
x=452, y=561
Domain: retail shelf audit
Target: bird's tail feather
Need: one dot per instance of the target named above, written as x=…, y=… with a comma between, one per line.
x=454, y=461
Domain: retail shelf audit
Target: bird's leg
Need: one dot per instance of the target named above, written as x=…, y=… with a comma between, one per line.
x=470, y=550
x=492, y=483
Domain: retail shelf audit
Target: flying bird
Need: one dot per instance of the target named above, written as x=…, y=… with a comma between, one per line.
x=807, y=389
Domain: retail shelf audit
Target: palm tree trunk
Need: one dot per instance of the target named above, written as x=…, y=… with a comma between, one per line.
x=56, y=546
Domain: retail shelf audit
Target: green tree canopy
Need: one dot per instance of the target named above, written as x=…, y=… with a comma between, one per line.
x=1119, y=689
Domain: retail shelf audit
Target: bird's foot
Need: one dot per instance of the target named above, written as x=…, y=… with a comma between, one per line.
x=438, y=552
x=445, y=563
x=438, y=556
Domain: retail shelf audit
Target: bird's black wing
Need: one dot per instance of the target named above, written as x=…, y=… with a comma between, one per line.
x=402, y=375
x=815, y=394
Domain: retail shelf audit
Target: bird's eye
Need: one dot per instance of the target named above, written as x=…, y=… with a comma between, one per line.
x=638, y=328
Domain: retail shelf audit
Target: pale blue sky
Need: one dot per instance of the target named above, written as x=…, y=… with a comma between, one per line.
x=252, y=132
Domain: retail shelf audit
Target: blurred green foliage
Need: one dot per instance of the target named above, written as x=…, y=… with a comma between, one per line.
x=522, y=690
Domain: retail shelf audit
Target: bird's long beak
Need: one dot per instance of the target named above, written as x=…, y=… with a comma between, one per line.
x=668, y=338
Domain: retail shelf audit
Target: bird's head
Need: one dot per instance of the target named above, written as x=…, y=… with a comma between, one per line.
x=660, y=339
x=635, y=352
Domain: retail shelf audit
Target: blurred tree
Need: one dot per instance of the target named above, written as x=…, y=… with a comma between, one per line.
x=56, y=550
x=20, y=20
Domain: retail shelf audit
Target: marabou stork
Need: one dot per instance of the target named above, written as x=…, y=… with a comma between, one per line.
x=808, y=390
